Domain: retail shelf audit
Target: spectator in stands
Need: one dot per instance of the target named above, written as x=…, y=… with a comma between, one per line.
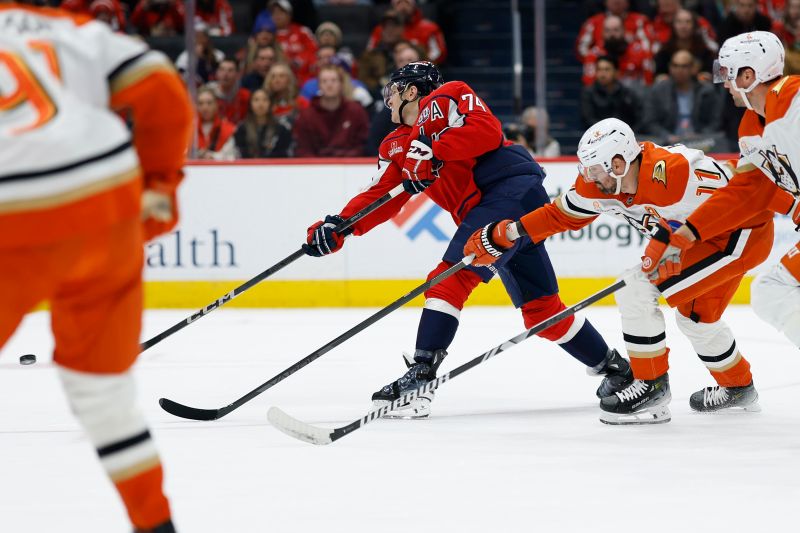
x=232, y=98
x=333, y=125
x=214, y=133
x=391, y=33
x=265, y=58
x=637, y=29
x=329, y=34
x=261, y=134
x=263, y=35
x=665, y=20
x=297, y=42
x=218, y=16
x=372, y=72
x=688, y=35
x=682, y=108
x=788, y=29
x=607, y=97
x=743, y=18
x=326, y=55
x=634, y=60
x=405, y=52
x=416, y=29
x=208, y=57
x=281, y=86
x=109, y=11
x=524, y=133
x=158, y=17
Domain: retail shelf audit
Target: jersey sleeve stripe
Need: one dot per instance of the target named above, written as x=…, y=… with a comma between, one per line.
x=130, y=72
x=69, y=166
x=573, y=210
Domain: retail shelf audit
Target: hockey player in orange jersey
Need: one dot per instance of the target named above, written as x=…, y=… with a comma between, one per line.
x=652, y=187
x=751, y=67
x=78, y=198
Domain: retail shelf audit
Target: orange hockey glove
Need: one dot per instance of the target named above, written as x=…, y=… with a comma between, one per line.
x=663, y=255
x=489, y=243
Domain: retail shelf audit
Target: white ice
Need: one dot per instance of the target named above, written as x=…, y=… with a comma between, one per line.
x=514, y=444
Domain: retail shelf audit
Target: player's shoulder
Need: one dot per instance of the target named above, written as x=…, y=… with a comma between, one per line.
x=662, y=160
x=781, y=97
x=451, y=89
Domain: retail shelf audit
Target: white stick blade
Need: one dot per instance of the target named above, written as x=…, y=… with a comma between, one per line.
x=297, y=429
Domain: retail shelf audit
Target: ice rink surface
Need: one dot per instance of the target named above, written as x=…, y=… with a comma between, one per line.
x=514, y=445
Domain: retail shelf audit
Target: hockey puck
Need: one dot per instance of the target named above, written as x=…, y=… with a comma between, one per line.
x=27, y=359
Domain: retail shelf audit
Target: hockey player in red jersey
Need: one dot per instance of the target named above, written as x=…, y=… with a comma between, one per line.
x=450, y=146
x=79, y=195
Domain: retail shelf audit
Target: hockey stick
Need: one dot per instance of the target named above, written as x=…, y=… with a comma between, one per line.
x=267, y=273
x=193, y=413
x=317, y=435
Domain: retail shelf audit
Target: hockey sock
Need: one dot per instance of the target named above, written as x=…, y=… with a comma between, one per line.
x=105, y=404
x=736, y=376
x=436, y=330
x=649, y=366
x=587, y=346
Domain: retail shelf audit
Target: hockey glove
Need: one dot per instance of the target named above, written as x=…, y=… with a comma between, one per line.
x=794, y=212
x=420, y=168
x=159, y=204
x=489, y=243
x=322, y=240
x=663, y=255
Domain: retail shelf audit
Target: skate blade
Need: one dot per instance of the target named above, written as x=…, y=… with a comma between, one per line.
x=735, y=410
x=654, y=415
x=409, y=411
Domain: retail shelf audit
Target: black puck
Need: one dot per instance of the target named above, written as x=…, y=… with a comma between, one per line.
x=27, y=359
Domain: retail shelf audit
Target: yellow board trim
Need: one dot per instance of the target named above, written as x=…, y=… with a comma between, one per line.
x=353, y=293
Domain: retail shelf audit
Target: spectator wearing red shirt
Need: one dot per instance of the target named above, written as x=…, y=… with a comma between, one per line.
x=665, y=18
x=218, y=16
x=418, y=30
x=232, y=98
x=634, y=59
x=158, y=17
x=109, y=11
x=637, y=27
x=281, y=86
x=214, y=133
x=297, y=42
x=333, y=125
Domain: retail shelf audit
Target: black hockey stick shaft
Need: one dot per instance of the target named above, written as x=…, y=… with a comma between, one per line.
x=219, y=302
x=194, y=413
x=315, y=435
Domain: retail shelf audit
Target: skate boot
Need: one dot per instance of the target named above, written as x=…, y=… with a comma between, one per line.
x=617, y=372
x=717, y=398
x=421, y=370
x=166, y=527
x=642, y=402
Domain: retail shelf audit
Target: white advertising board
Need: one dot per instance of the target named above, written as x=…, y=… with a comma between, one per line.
x=239, y=219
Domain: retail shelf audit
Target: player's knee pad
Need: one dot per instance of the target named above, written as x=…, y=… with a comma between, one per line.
x=643, y=325
x=541, y=309
x=105, y=405
x=454, y=290
x=712, y=341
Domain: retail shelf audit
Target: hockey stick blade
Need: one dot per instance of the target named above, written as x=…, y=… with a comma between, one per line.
x=320, y=436
x=225, y=298
x=193, y=413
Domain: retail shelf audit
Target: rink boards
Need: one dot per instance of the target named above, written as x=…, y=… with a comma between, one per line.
x=238, y=219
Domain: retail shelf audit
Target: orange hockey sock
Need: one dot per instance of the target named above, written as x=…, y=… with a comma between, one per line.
x=144, y=498
x=736, y=376
x=649, y=366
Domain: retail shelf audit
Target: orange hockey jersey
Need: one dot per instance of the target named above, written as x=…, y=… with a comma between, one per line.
x=68, y=163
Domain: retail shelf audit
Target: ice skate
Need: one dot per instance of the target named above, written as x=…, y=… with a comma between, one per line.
x=421, y=370
x=717, y=398
x=642, y=402
x=617, y=372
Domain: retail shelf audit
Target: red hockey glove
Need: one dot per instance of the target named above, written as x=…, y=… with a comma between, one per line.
x=420, y=168
x=489, y=243
x=663, y=255
x=321, y=238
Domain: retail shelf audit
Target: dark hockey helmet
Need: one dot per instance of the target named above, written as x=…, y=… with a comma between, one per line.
x=421, y=74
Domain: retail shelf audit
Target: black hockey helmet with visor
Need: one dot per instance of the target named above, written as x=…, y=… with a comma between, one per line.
x=421, y=74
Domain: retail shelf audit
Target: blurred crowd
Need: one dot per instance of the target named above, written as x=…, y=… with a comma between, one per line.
x=650, y=64
x=289, y=91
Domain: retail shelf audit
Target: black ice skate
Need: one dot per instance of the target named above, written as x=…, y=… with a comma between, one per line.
x=421, y=369
x=642, y=402
x=617, y=372
x=166, y=527
x=717, y=398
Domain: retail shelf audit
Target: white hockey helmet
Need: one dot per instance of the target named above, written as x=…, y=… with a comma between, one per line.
x=762, y=51
x=600, y=144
